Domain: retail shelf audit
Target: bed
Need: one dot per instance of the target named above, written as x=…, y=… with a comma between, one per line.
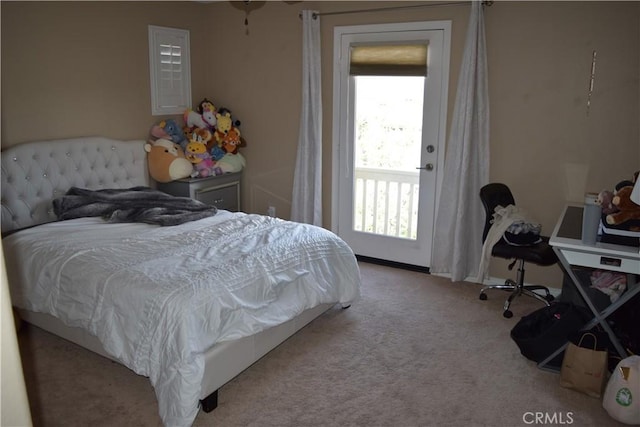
x=190, y=305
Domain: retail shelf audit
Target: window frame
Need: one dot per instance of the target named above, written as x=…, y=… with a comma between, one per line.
x=160, y=104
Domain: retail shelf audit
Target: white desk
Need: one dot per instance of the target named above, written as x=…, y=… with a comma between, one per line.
x=567, y=243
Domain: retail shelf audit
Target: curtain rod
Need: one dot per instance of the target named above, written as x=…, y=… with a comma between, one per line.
x=384, y=9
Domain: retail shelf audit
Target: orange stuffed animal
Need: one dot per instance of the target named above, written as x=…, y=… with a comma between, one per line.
x=232, y=140
x=627, y=210
x=166, y=161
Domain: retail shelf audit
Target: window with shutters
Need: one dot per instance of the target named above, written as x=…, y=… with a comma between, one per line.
x=170, y=70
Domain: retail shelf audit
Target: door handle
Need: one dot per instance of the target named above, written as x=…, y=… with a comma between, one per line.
x=428, y=167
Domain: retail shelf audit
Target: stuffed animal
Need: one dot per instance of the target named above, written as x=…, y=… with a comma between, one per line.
x=208, y=112
x=205, y=104
x=166, y=161
x=209, y=117
x=224, y=111
x=158, y=133
x=208, y=167
x=217, y=152
x=232, y=163
x=202, y=135
x=223, y=126
x=174, y=131
x=203, y=164
x=627, y=210
x=198, y=154
x=604, y=201
x=169, y=129
x=231, y=141
x=193, y=119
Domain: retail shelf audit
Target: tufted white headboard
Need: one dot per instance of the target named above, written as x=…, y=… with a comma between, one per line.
x=35, y=173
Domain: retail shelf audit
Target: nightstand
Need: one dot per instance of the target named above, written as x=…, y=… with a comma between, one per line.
x=221, y=191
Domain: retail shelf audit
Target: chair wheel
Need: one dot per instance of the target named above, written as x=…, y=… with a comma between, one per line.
x=549, y=298
x=508, y=314
x=483, y=297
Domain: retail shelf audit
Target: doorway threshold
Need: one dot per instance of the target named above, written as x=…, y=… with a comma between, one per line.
x=393, y=264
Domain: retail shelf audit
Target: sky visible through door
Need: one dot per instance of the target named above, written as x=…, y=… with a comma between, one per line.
x=388, y=137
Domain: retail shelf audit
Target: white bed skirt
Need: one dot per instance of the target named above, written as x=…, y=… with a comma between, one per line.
x=223, y=362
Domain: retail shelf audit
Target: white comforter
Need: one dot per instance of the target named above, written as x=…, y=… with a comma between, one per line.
x=158, y=297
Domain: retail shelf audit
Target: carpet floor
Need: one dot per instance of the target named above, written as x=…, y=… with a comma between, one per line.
x=415, y=350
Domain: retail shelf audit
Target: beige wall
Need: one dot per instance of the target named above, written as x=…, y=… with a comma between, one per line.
x=80, y=68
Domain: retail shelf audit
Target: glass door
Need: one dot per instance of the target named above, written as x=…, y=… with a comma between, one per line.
x=388, y=136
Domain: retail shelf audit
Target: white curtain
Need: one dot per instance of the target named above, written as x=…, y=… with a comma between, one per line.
x=460, y=219
x=306, y=203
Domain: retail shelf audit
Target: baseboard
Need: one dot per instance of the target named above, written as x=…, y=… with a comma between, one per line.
x=498, y=281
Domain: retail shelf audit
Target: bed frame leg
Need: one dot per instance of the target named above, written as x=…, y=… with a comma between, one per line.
x=210, y=402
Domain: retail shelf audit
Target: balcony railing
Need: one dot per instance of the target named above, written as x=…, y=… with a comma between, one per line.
x=386, y=202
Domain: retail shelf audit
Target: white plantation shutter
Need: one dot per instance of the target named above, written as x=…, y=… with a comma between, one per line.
x=170, y=70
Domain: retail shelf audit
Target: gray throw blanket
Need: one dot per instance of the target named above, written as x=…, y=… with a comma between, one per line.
x=137, y=204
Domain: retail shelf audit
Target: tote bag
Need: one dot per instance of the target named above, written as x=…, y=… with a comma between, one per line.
x=622, y=396
x=584, y=368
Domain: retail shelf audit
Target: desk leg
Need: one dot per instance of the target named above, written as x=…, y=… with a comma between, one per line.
x=598, y=318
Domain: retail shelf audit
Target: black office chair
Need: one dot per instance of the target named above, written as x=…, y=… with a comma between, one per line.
x=496, y=194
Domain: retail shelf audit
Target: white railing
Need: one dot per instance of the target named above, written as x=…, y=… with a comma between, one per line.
x=386, y=202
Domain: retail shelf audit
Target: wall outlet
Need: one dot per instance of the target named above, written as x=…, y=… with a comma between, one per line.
x=271, y=211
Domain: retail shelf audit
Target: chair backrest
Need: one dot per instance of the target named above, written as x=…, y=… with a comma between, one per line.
x=492, y=195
